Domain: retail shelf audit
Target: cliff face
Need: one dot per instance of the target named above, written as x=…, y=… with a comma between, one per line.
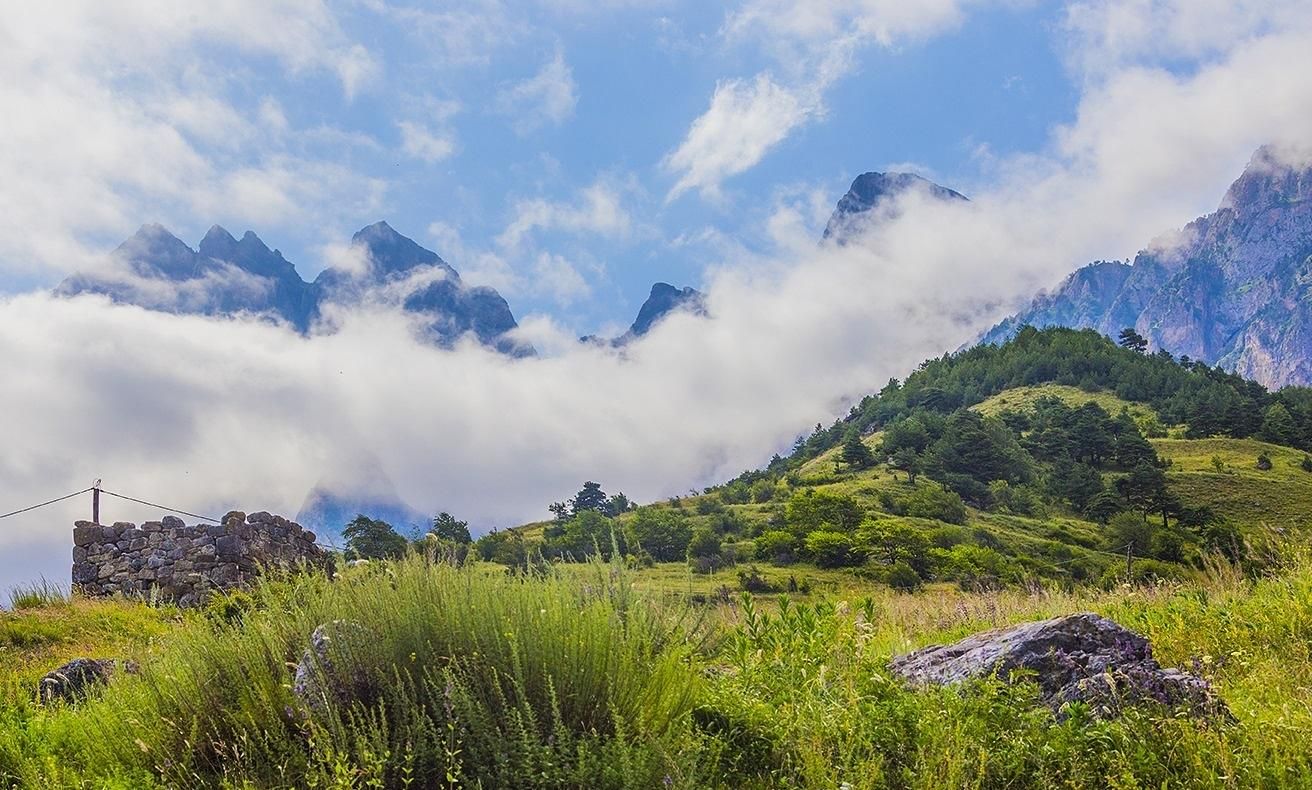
x=1234, y=290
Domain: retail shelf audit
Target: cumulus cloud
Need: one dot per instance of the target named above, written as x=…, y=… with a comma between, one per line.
x=546, y=98
x=745, y=120
x=424, y=144
x=814, y=44
x=598, y=210
x=117, y=110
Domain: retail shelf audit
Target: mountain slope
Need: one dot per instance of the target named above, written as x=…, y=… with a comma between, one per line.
x=1235, y=289
x=226, y=276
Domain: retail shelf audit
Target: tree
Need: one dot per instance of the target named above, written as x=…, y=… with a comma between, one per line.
x=906, y=460
x=1132, y=530
x=704, y=543
x=619, y=504
x=662, y=533
x=1132, y=340
x=446, y=527
x=1263, y=462
x=856, y=454
x=582, y=536
x=369, y=539
x=590, y=497
x=559, y=510
x=810, y=510
x=1278, y=426
x=1142, y=487
x=1103, y=506
x=1307, y=463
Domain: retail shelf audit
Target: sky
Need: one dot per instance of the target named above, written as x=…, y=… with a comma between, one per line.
x=570, y=154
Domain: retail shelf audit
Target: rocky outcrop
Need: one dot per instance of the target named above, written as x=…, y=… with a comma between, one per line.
x=332, y=670
x=181, y=563
x=1234, y=288
x=1077, y=658
x=77, y=679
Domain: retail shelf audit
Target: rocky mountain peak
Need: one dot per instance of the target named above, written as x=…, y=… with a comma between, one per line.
x=390, y=252
x=1270, y=180
x=869, y=190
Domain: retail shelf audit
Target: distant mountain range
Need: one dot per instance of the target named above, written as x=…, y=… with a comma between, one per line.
x=225, y=276
x=1233, y=289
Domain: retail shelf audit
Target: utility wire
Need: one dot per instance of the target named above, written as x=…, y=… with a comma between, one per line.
x=43, y=504
x=161, y=507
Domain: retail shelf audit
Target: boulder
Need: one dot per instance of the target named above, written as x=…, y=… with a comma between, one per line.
x=332, y=670
x=1076, y=658
x=75, y=680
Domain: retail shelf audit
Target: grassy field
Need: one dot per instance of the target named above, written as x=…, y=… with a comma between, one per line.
x=1276, y=499
x=591, y=676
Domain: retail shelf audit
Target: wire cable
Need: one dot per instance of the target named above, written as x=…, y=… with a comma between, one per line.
x=161, y=507
x=43, y=504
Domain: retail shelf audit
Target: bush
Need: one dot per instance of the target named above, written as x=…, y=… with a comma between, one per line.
x=936, y=503
x=901, y=576
x=661, y=532
x=704, y=543
x=751, y=580
x=777, y=546
x=1264, y=462
x=829, y=549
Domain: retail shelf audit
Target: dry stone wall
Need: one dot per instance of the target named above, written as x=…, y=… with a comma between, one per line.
x=182, y=563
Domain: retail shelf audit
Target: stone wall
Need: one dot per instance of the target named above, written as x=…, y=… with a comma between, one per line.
x=182, y=563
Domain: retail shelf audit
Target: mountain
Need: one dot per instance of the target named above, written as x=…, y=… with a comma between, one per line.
x=871, y=190
x=427, y=286
x=663, y=300
x=226, y=276
x=1234, y=288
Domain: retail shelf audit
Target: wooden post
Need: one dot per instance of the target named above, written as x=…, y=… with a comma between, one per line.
x=1129, y=562
x=95, y=505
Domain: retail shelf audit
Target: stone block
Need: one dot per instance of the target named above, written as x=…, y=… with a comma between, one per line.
x=172, y=522
x=84, y=534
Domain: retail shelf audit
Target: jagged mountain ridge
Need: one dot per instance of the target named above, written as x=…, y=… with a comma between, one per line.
x=227, y=276
x=1234, y=289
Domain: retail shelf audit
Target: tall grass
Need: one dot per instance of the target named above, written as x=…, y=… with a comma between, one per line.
x=40, y=594
x=453, y=673
x=465, y=677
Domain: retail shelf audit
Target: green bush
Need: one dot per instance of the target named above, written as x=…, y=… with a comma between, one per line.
x=936, y=503
x=829, y=549
x=776, y=546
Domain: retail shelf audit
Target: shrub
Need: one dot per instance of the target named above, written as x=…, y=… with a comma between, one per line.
x=776, y=545
x=829, y=549
x=811, y=510
x=751, y=580
x=936, y=503
x=1264, y=462
x=704, y=543
x=901, y=576
x=661, y=532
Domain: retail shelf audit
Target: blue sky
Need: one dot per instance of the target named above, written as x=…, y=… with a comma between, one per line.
x=455, y=120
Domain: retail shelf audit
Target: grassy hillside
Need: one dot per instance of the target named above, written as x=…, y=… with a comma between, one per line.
x=1279, y=498
x=577, y=678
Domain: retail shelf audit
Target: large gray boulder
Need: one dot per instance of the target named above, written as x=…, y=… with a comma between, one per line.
x=76, y=680
x=1079, y=657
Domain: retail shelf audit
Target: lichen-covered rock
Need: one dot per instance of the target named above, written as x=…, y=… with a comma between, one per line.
x=332, y=669
x=75, y=680
x=1076, y=658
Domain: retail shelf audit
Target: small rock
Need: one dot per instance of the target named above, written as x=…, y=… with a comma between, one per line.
x=75, y=680
x=1079, y=657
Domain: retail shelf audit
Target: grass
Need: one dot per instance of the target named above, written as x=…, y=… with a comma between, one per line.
x=1024, y=398
x=589, y=676
x=1279, y=498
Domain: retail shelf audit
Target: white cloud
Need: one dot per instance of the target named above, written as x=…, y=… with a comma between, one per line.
x=599, y=210
x=422, y=143
x=547, y=98
x=557, y=277
x=745, y=120
x=814, y=43
x=120, y=113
